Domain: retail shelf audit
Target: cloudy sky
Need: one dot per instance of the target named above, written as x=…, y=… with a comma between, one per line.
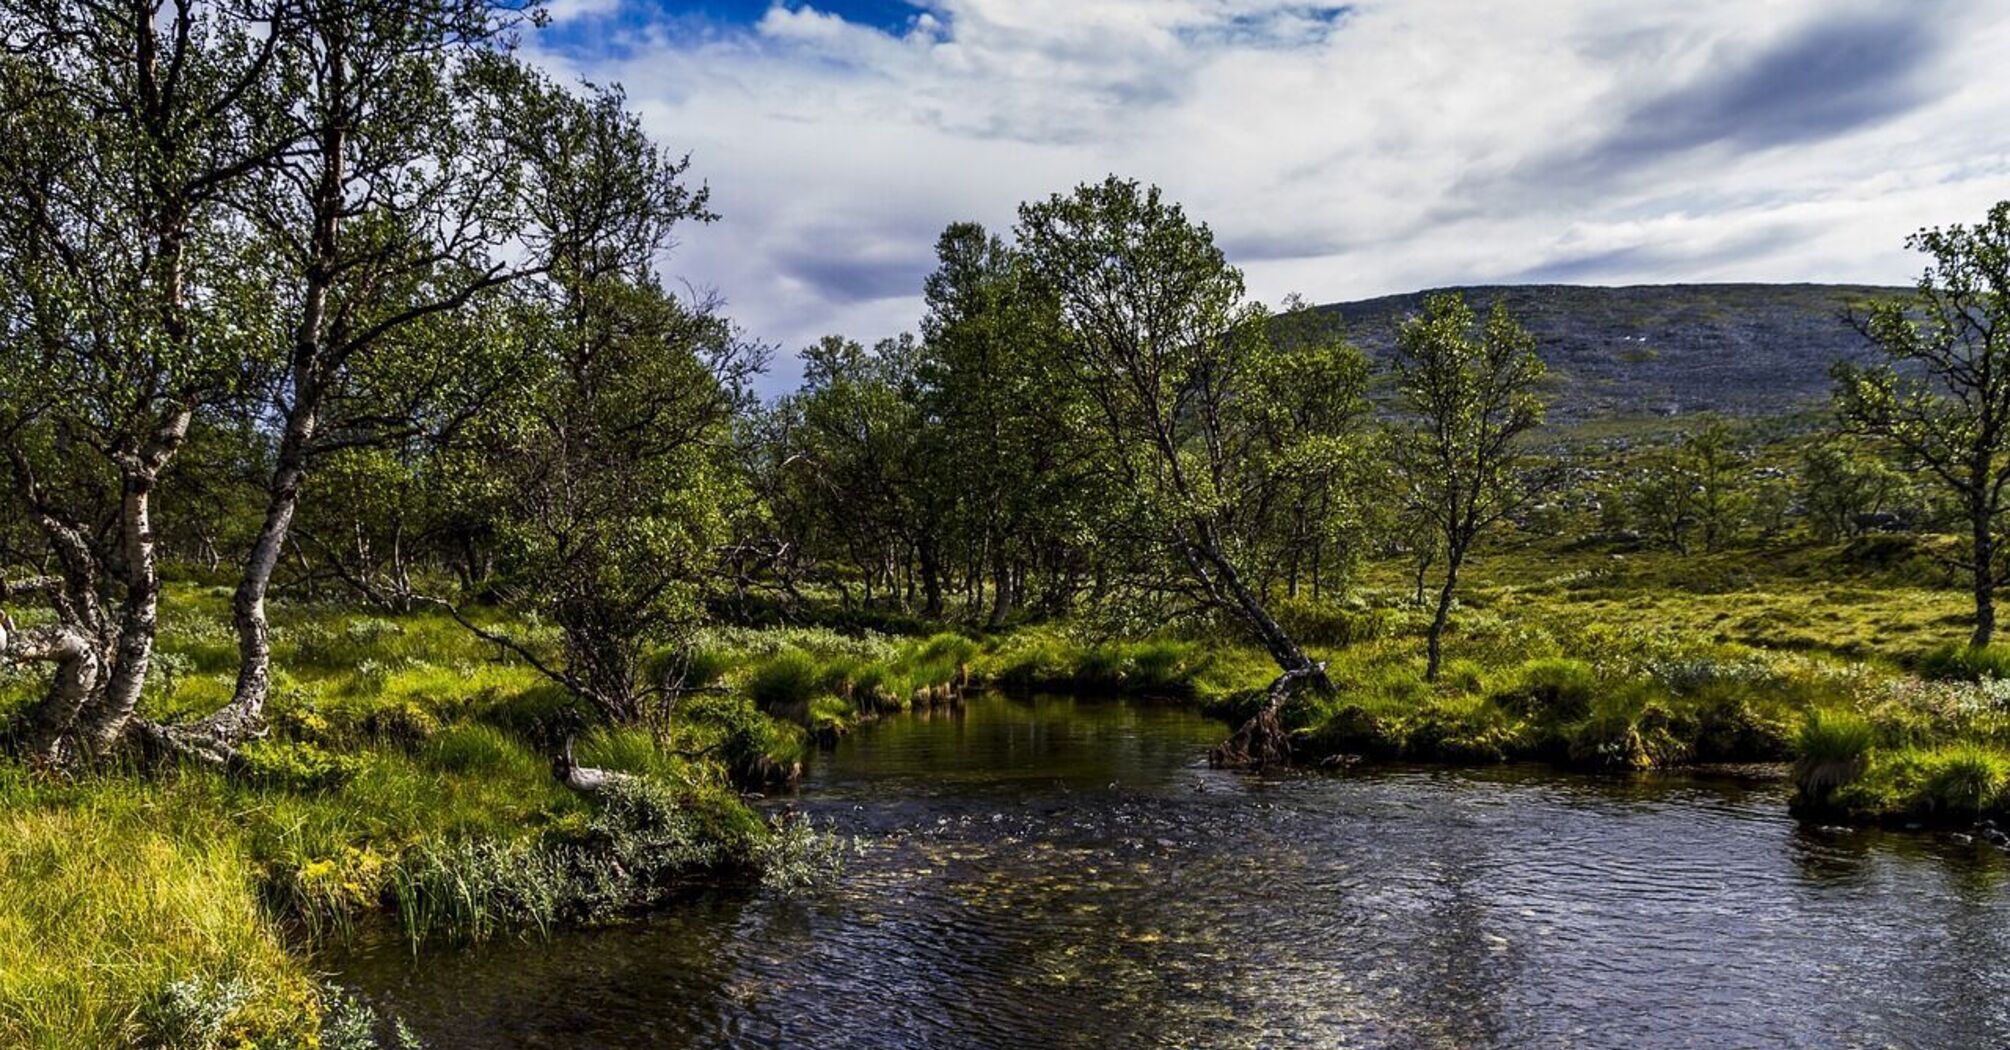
x=1337, y=151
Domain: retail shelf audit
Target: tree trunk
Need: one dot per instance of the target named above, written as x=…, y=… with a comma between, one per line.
x=254, y=633
x=931, y=578
x=1983, y=569
x=104, y=719
x=1262, y=740
x=310, y=372
x=1001, y=586
x=79, y=667
x=1441, y=617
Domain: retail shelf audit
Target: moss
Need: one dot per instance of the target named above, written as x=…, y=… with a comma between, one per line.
x=296, y=766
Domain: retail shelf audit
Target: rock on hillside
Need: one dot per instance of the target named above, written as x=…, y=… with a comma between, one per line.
x=1739, y=349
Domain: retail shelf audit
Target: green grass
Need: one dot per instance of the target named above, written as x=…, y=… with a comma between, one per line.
x=403, y=783
x=121, y=891
x=1966, y=663
x=1831, y=750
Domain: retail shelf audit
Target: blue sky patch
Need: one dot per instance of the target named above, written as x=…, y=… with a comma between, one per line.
x=892, y=16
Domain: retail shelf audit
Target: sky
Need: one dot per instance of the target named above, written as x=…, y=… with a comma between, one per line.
x=1336, y=151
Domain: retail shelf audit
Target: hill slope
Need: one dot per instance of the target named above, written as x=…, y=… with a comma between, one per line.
x=1739, y=349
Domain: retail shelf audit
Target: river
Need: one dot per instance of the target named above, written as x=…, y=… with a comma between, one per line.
x=1069, y=873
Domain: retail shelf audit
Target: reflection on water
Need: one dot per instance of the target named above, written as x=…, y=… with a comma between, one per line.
x=1057, y=873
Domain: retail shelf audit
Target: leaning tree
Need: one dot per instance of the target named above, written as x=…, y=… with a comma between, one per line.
x=1938, y=390
x=1160, y=341
x=405, y=203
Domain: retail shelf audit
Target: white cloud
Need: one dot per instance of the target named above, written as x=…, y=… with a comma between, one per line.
x=1405, y=143
x=563, y=11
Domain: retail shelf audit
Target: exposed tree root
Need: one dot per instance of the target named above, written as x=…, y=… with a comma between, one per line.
x=1263, y=741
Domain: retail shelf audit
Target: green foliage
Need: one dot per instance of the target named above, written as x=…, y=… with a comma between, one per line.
x=128, y=913
x=351, y=1024
x=1633, y=729
x=1472, y=390
x=1696, y=491
x=191, y=1014
x=1156, y=666
x=1326, y=623
x=1942, y=375
x=485, y=751
x=1953, y=784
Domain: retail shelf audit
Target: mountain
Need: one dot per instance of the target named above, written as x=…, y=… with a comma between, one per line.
x=1646, y=350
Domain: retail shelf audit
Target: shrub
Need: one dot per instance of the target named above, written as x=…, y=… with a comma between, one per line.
x=190, y=1013
x=798, y=855
x=350, y=1024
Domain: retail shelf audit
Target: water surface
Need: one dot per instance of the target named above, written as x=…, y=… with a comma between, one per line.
x=1061, y=873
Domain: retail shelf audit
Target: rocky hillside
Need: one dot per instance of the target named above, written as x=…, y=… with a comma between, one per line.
x=1739, y=349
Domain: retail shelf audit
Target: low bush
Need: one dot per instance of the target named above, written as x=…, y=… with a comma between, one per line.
x=296, y=766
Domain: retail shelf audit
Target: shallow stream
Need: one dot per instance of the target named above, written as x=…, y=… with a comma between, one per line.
x=1069, y=873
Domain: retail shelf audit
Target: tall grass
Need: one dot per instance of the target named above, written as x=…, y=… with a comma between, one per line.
x=125, y=907
x=1830, y=751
